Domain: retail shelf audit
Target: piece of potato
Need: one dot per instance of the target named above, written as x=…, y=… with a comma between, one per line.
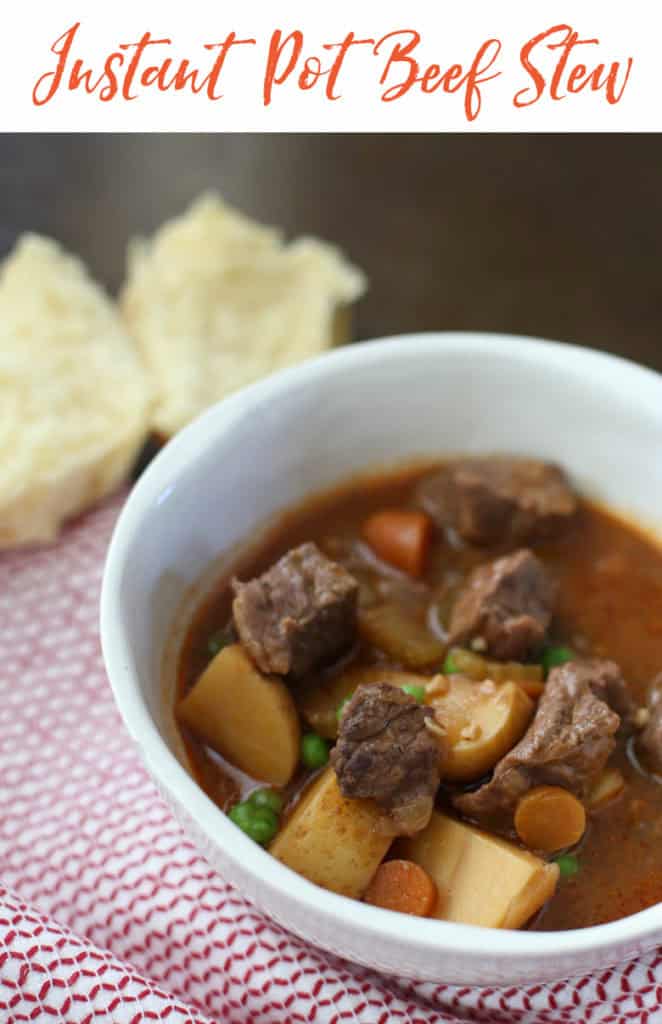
x=610, y=785
x=468, y=663
x=390, y=629
x=332, y=840
x=487, y=881
x=320, y=706
x=247, y=717
x=549, y=818
x=482, y=722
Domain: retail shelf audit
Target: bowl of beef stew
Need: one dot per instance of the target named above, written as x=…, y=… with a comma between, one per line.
x=386, y=628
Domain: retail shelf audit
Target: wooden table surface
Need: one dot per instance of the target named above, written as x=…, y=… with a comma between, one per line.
x=557, y=236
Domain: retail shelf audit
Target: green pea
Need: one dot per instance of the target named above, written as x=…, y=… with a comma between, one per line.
x=264, y=825
x=314, y=751
x=217, y=641
x=342, y=705
x=241, y=815
x=553, y=656
x=415, y=691
x=449, y=666
x=267, y=798
x=259, y=823
x=568, y=865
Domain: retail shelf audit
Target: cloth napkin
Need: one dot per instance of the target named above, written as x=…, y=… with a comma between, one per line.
x=109, y=913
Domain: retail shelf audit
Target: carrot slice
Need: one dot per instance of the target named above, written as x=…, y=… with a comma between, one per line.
x=550, y=818
x=403, y=886
x=400, y=537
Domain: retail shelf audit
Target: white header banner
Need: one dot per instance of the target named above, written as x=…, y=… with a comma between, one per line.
x=412, y=65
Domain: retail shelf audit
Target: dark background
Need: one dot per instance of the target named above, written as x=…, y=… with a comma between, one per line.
x=557, y=236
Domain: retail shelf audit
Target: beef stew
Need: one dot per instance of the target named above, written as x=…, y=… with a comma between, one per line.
x=446, y=669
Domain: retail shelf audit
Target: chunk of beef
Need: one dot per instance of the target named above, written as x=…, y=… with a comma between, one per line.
x=298, y=615
x=608, y=684
x=385, y=752
x=649, y=742
x=567, y=743
x=507, y=605
x=495, y=500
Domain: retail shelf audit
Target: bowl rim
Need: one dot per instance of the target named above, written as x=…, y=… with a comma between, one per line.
x=469, y=941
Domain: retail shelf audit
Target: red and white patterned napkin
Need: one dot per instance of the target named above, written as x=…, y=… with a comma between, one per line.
x=109, y=913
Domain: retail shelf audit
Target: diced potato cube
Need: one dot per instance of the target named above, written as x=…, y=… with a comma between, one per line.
x=482, y=723
x=332, y=840
x=390, y=629
x=320, y=706
x=247, y=717
x=486, y=881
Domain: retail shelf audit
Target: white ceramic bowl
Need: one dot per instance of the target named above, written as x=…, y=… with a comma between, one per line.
x=298, y=432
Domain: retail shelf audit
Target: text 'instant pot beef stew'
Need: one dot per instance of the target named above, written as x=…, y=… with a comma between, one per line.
x=440, y=691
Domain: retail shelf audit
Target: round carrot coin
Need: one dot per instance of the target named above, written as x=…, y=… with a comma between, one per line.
x=549, y=818
x=403, y=886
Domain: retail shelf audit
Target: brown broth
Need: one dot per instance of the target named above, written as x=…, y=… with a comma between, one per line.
x=610, y=604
